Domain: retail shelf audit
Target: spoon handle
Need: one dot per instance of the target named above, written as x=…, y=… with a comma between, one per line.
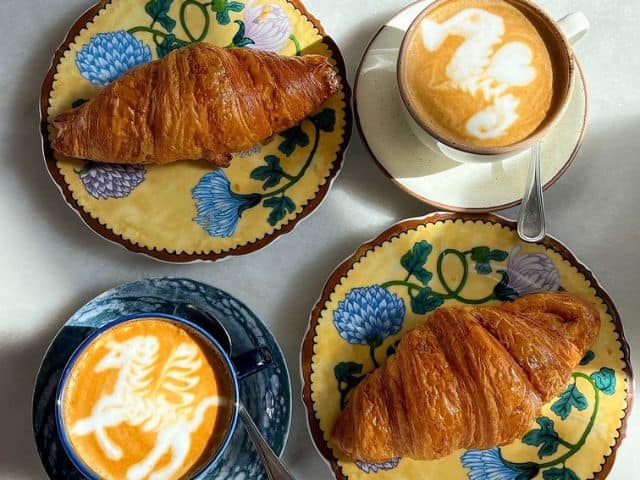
x=531, y=221
x=273, y=466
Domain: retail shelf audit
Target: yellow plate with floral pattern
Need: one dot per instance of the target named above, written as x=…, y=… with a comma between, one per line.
x=188, y=211
x=389, y=286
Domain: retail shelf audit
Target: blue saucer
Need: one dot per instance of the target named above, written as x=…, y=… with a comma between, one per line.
x=266, y=395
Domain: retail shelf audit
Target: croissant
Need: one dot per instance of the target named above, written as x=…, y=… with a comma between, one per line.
x=472, y=377
x=198, y=102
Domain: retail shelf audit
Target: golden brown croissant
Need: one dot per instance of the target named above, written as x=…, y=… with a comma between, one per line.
x=198, y=102
x=472, y=377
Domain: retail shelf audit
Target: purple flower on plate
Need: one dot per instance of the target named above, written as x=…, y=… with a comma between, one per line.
x=108, y=55
x=267, y=26
x=489, y=465
x=109, y=180
x=525, y=274
x=377, y=467
x=368, y=315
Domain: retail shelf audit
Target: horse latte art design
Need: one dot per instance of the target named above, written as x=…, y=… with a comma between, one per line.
x=479, y=72
x=162, y=398
x=474, y=67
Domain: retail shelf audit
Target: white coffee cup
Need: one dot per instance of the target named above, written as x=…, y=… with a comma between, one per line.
x=565, y=32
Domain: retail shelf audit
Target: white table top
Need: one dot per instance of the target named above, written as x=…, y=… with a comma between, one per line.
x=50, y=263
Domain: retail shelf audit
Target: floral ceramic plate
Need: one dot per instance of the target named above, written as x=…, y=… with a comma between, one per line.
x=187, y=211
x=389, y=286
x=267, y=394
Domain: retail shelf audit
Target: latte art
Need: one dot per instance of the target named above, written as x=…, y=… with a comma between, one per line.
x=479, y=72
x=474, y=67
x=143, y=402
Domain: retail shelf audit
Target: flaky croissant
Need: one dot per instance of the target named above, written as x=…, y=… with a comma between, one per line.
x=472, y=377
x=198, y=102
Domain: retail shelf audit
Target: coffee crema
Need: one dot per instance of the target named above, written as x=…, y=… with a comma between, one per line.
x=479, y=73
x=147, y=399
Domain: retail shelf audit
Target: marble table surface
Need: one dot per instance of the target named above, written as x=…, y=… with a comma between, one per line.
x=50, y=263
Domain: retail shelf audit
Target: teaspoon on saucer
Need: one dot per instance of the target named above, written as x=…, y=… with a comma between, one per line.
x=531, y=220
x=273, y=466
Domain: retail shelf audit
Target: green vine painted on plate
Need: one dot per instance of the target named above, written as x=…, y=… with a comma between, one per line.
x=161, y=27
x=272, y=174
x=220, y=207
x=548, y=440
x=423, y=298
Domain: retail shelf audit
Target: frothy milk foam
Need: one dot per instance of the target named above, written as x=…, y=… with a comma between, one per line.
x=154, y=386
x=474, y=67
x=491, y=54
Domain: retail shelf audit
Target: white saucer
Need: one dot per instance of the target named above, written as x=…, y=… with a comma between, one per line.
x=432, y=177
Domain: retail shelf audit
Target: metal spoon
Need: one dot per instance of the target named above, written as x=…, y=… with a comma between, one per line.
x=531, y=221
x=273, y=466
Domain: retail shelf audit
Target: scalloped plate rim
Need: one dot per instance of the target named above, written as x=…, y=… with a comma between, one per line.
x=308, y=342
x=164, y=255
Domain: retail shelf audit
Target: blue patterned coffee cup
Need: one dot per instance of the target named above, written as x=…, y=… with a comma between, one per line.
x=236, y=368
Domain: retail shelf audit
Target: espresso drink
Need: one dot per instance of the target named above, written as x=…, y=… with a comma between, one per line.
x=147, y=399
x=479, y=73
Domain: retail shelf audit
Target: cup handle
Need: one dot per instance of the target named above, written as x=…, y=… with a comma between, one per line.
x=252, y=362
x=574, y=26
